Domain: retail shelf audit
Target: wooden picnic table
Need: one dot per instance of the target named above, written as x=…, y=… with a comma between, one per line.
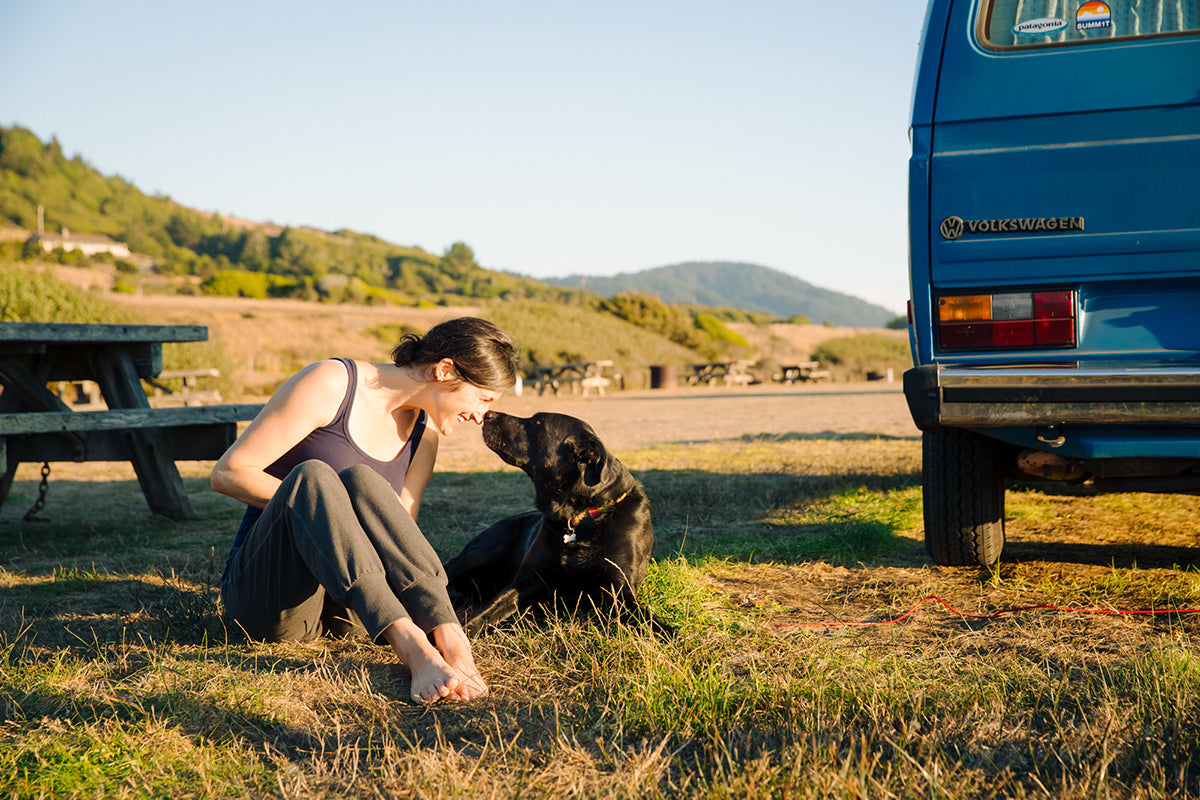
x=587, y=375
x=708, y=372
x=35, y=425
x=732, y=373
x=803, y=371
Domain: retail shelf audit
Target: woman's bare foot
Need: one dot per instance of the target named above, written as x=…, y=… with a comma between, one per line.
x=452, y=643
x=432, y=677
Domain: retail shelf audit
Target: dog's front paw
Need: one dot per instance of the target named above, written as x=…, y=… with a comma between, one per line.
x=500, y=609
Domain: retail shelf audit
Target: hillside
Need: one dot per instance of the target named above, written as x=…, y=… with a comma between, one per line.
x=729, y=284
x=184, y=251
x=257, y=343
x=224, y=255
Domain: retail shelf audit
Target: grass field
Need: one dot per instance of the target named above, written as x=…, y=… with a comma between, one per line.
x=783, y=562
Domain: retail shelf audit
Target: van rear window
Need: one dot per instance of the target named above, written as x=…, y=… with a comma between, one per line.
x=1007, y=24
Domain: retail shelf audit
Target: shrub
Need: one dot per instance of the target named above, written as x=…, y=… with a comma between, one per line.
x=855, y=356
x=237, y=283
x=30, y=296
x=719, y=332
x=647, y=311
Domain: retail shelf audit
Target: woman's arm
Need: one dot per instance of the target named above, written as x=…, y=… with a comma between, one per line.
x=307, y=401
x=419, y=471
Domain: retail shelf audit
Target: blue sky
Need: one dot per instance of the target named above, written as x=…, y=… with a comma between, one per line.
x=552, y=137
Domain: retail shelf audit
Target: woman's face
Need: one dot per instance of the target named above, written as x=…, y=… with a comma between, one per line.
x=463, y=402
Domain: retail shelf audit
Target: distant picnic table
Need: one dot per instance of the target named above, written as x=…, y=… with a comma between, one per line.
x=36, y=425
x=585, y=375
x=732, y=373
x=803, y=371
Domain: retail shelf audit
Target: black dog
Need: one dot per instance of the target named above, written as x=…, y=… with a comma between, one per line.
x=588, y=542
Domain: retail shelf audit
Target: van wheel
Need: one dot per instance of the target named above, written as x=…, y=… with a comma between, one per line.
x=963, y=498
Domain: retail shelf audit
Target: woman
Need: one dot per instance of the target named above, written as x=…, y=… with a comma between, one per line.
x=332, y=470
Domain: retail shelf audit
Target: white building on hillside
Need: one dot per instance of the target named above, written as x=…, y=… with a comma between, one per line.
x=88, y=243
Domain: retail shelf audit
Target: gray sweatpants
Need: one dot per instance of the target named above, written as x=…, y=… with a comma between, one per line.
x=333, y=550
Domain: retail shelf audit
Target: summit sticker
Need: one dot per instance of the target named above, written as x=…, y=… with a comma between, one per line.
x=1093, y=15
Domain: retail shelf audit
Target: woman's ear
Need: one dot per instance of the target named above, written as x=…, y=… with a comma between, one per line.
x=444, y=370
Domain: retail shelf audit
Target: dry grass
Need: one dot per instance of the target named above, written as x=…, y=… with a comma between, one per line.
x=261, y=342
x=120, y=679
x=264, y=341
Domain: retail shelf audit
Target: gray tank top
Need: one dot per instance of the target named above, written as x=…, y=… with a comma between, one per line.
x=333, y=445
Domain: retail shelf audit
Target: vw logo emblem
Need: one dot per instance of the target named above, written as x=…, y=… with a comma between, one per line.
x=951, y=228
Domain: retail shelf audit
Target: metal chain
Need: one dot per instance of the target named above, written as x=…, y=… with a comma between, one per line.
x=40, y=503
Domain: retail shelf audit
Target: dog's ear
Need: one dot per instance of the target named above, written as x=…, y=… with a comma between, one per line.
x=589, y=454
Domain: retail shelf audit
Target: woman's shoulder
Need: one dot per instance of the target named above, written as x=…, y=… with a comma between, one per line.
x=320, y=383
x=331, y=368
x=329, y=374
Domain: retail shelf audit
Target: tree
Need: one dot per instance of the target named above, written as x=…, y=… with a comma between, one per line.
x=186, y=230
x=253, y=251
x=21, y=152
x=458, y=261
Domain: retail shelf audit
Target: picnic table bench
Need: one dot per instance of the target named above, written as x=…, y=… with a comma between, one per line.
x=190, y=394
x=803, y=371
x=36, y=425
x=84, y=395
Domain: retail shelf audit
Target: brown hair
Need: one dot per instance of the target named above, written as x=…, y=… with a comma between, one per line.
x=483, y=353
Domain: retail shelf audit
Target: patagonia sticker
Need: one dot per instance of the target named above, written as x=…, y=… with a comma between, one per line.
x=1093, y=15
x=1043, y=26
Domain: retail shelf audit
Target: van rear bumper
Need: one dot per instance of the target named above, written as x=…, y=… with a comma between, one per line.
x=1028, y=395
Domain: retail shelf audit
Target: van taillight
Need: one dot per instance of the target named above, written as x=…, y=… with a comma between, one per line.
x=1006, y=319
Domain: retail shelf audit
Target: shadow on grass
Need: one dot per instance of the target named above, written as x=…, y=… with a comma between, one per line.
x=782, y=518
x=145, y=652
x=776, y=516
x=309, y=708
x=104, y=569
x=98, y=688
x=1129, y=555
x=87, y=612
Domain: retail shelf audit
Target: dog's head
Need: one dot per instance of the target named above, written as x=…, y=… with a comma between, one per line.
x=562, y=455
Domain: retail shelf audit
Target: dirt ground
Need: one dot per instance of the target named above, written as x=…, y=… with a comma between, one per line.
x=627, y=420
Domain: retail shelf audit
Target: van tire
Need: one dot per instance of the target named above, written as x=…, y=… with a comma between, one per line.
x=963, y=488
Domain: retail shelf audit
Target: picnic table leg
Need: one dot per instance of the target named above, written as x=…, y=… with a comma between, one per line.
x=8, y=402
x=150, y=449
x=10, y=471
x=24, y=389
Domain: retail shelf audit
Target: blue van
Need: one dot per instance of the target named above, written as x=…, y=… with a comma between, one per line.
x=1054, y=218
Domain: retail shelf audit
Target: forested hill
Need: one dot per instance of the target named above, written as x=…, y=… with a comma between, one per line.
x=234, y=256
x=737, y=285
